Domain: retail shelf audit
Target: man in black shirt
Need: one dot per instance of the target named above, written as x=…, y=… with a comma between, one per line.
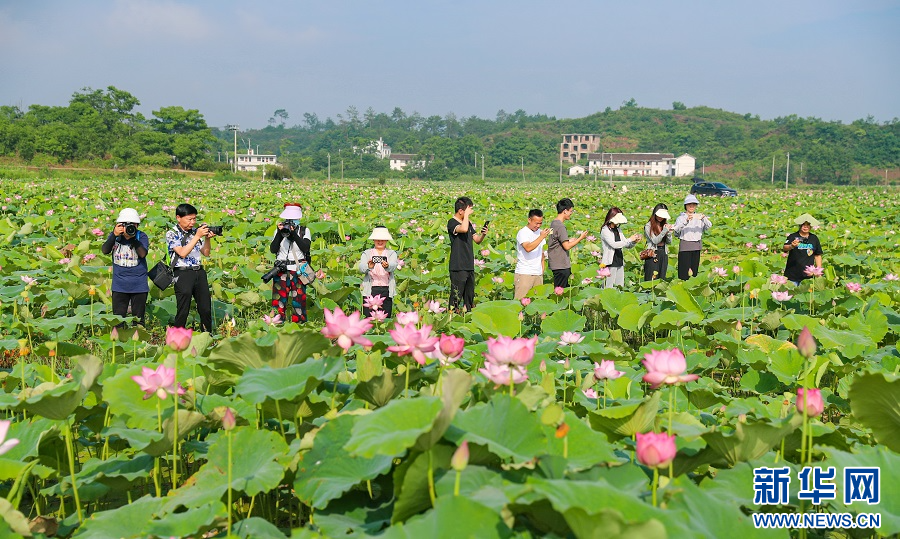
x=803, y=249
x=462, y=254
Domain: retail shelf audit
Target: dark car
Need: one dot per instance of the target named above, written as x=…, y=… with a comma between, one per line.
x=713, y=189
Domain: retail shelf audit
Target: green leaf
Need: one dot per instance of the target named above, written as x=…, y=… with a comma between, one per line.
x=455, y=387
x=889, y=464
x=634, y=317
x=672, y=319
x=751, y=440
x=188, y=420
x=875, y=401
x=58, y=401
x=504, y=425
x=585, y=447
x=684, y=300
x=497, y=317
x=627, y=419
x=243, y=352
x=256, y=528
x=17, y=522
x=292, y=383
x=564, y=320
x=453, y=515
x=713, y=516
x=411, y=478
x=126, y=521
x=328, y=470
x=395, y=428
x=786, y=365
x=612, y=300
x=189, y=523
x=254, y=459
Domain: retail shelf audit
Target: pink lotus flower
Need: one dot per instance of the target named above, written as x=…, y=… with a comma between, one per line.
x=64, y=261
x=590, y=393
x=778, y=279
x=485, y=252
x=6, y=445
x=720, y=271
x=666, y=367
x=853, y=287
x=460, y=458
x=28, y=280
x=434, y=307
x=606, y=370
x=656, y=450
x=558, y=290
x=891, y=277
x=749, y=245
x=500, y=373
x=160, y=382
x=448, y=350
x=587, y=280
x=498, y=280
x=346, y=329
x=603, y=272
x=781, y=296
x=373, y=302
x=736, y=269
x=88, y=257
x=591, y=238
x=570, y=337
x=400, y=264
x=813, y=402
x=178, y=339
x=412, y=317
x=271, y=320
x=479, y=262
x=228, y=420
x=762, y=247
x=378, y=315
x=526, y=302
x=97, y=232
x=813, y=271
x=508, y=350
x=413, y=341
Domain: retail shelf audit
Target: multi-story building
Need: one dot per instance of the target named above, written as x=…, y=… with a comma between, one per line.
x=640, y=164
x=577, y=147
x=252, y=162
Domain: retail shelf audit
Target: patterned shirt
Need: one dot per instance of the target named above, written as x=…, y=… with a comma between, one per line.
x=176, y=238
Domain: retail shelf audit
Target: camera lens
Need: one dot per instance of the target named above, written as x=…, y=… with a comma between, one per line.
x=130, y=229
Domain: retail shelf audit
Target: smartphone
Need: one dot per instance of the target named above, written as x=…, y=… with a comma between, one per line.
x=485, y=225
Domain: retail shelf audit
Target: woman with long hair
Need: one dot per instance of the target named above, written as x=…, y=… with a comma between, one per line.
x=658, y=232
x=613, y=242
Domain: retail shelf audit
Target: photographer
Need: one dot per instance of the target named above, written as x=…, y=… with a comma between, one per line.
x=378, y=265
x=128, y=246
x=189, y=245
x=291, y=246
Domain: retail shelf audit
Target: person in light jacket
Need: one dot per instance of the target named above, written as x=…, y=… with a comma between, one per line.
x=613, y=242
x=658, y=232
x=378, y=265
x=689, y=227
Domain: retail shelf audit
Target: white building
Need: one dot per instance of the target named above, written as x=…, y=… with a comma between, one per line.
x=399, y=161
x=640, y=164
x=577, y=170
x=375, y=147
x=253, y=162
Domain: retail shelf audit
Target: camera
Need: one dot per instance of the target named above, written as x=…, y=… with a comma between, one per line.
x=131, y=229
x=378, y=259
x=217, y=230
x=279, y=267
x=286, y=228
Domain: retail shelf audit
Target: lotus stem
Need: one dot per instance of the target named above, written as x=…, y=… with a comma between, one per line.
x=431, y=494
x=281, y=421
x=456, y=483
x=230, y=506
x=70, y=450
x=406, y=385
x=175, y=439
x=654, y=485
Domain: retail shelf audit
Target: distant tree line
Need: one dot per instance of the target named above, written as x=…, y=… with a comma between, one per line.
x=102, y=125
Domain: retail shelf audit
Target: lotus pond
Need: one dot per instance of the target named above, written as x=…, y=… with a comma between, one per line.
x=634, y=412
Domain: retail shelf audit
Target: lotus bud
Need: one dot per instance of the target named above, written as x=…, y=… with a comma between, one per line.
x=812, y=399
x=228, y=420
x=460, y=458
x=114, y=334
x=806, y=344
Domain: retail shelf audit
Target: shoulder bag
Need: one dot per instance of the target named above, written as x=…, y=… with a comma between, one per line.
x=162, y=275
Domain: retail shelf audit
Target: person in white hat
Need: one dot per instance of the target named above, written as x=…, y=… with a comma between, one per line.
x=803, y=249
x=290, y=245
x=128, y=247
x=613, y=242
x=377, y=266
x=658, y=232
x=689, y=228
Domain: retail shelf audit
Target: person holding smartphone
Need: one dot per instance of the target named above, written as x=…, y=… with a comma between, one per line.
x=530, y=255
x=462, y=254
x=377, y=266
x=189, y=245
x=803, y=249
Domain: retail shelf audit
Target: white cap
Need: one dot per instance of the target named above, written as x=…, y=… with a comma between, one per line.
x=619, y=219
x=128, y=215
x=663, y=213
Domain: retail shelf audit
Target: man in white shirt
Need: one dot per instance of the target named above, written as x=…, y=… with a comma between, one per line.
x=530, y=243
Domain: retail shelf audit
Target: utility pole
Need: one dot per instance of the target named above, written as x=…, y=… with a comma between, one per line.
x=234, y=128
x=482, y=167
x=560, y=170
x=523, y=169
x=800, y=177
x=773, y=170
x=329, y=167
x=787, y=172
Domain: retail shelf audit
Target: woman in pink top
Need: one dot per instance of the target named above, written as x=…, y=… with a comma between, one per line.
x=378, y=265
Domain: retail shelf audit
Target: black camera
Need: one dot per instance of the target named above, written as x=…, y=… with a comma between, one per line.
x=131, y=229
x=279, y=267
x=287, y=228
x=217, y=230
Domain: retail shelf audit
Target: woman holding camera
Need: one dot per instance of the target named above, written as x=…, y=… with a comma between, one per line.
x=378, y=265
x=128, y=246
x=291, y=247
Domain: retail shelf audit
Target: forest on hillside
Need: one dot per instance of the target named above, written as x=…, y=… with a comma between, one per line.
x=102, y=128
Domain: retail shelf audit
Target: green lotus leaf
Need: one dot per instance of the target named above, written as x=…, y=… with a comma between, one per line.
x=243, y=352
x=504, y=425
x=750, y=440
x=634, y=317
x=58, y=401
x=393, y=429
x=628, y=419
x=126, y=521
x=497, y=317
x=195, y=522
x=255, y=454
x=453, y=515
x=875, y=401
x=869, y=457
x=291, y=383
x=564, y=320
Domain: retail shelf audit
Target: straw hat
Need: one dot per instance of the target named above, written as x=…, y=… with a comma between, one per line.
x=381, y=233
x=292, y=211
x=806, y=218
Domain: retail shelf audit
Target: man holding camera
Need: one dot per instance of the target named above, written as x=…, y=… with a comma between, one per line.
x=291, y=248
x=462, y=253
x=128, y=247
x=188, y=245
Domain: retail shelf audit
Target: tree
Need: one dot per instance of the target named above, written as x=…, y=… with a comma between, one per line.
x=178, y=121
x=678, y=105
x=630, y=104
x=282, y=116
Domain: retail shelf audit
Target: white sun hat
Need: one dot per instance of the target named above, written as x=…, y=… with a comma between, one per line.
x=381, y=233
x=128, y=215
x=619, y=219
x=663, y=213
x=292, y=211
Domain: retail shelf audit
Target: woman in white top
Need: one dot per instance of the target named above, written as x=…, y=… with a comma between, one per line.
x=689, y=227
x=658, y=232
x=613, y=242
x=291, y=246
x=378, y=265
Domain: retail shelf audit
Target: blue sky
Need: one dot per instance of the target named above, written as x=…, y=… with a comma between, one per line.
x=237, y=62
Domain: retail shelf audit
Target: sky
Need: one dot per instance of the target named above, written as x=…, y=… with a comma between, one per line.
x=238, y=62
